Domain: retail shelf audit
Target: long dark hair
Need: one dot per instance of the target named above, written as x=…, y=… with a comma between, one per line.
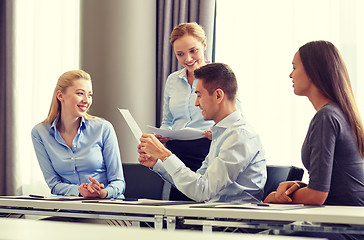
x=325, y=67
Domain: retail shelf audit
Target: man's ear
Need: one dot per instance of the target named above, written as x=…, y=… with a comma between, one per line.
x=219, y=95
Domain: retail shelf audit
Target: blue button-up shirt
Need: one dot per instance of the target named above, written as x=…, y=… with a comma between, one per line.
x=234, y=170
x=95, y=152
x=179, y=110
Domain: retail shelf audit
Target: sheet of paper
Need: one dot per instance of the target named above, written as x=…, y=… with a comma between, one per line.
x=181, y=134
x=261, y=206
x=46, y=198
x=135, y=129
x=144, y=202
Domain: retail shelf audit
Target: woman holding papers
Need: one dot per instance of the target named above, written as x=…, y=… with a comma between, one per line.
x=179, y=111
x=333, y=150
x=189, y=44
x=78, y=153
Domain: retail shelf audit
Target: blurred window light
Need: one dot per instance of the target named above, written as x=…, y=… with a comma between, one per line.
x=258, y=40
x=46, y=45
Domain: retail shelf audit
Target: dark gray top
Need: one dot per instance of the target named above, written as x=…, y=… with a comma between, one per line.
x=331, y=156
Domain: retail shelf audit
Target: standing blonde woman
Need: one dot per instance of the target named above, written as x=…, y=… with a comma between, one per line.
x=179, y=111
x=78, y=153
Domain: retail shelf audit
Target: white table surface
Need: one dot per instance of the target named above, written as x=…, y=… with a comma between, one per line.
x=140, y=213
x=19, y=229
x=325, y=214
x=79, y=206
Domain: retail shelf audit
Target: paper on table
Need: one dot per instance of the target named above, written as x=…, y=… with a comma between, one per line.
x=258, y=206
x=46, y=198
x=181, y=134
x=263, y=206
x=143, y=202
x=132, y=124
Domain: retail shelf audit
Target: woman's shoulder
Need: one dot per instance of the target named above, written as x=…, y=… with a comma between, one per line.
x=177, y=74
x=329, y=116
x=40, y=128
x=330, y=111
x=99, y=122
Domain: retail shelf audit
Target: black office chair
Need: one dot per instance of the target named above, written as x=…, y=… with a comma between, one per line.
x=141, y=182
x=278, y=174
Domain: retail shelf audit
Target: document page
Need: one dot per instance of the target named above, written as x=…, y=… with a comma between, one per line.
x=135, y=129
x=46, y=198
x=261, y=206
x=180, y=134
x=143, y=202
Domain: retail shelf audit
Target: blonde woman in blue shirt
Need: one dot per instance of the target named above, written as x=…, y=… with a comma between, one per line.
x=78, y=153
x=179, y=111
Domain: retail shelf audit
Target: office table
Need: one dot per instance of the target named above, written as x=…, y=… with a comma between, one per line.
x=335, y=219
x=32, y=229
x=84, y=209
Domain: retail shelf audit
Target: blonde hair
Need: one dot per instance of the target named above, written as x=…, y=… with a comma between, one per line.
x=192, y=29
x=65, y=80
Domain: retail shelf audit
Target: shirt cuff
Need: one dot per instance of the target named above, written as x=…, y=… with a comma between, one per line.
x=74, y=191
x=110, y=192
x=158, y=167
x=172, y=164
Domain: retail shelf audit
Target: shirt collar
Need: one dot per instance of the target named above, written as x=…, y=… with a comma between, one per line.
x=53, y=127
x=183, y=74
x=229, y=120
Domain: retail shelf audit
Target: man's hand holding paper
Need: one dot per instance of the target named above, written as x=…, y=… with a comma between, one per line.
x=180, y=134
x=150, y=150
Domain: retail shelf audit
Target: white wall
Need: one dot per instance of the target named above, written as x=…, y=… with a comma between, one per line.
x=118, y=49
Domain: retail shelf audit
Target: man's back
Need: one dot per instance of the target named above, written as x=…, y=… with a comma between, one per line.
x=234, y=170
x=237, y=155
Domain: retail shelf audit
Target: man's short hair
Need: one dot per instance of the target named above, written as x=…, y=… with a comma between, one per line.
x=218, y=76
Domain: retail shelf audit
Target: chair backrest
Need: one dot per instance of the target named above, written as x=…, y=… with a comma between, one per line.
x=141, y=182
x=278, y=174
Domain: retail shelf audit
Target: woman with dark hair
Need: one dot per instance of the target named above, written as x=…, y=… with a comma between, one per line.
x=333, y=150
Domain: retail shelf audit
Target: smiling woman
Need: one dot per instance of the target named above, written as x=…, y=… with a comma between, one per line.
x=189, y=44
x=77, y=152
x=190, y=53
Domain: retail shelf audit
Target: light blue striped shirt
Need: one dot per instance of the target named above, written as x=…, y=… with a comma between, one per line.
x=95, y=152
x=233, y=171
